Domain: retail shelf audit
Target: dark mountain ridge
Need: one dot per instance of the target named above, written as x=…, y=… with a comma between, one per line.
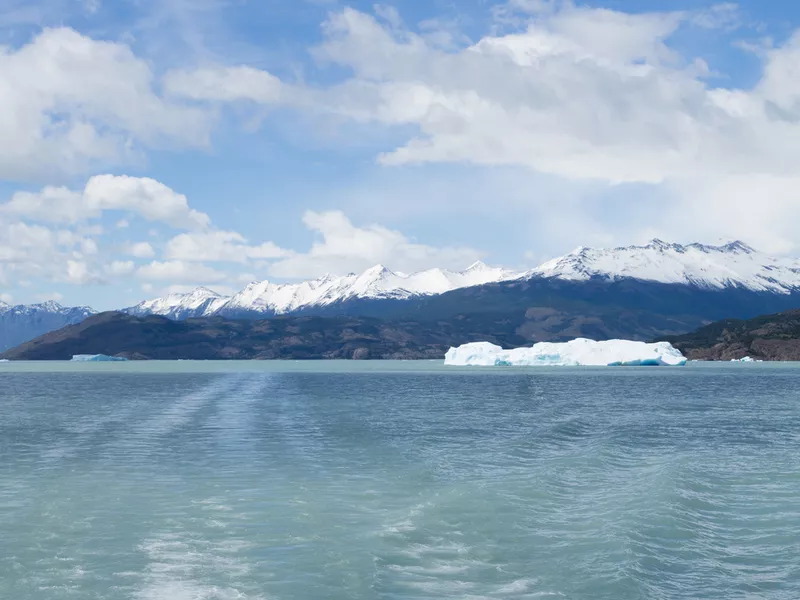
x=549, y=309
x=159, y=338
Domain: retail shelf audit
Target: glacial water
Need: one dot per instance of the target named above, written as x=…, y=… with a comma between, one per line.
x=223, y=481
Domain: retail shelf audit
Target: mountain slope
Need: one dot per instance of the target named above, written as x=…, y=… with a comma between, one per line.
x=197, y=303
x=24, y=322
x=155, y=337
x=550, y=309
x=767, y=337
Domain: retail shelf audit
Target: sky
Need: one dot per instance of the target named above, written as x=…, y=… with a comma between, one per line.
x=152, y=146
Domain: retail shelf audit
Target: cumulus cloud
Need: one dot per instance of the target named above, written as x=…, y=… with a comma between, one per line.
x=580, y=93
x=48, y=236
x=120, y=267
x=219, y=246
x=79, y=273
x=178, y=271
x=69, y=102
x=341, y=247
x=147, y=197
x=227, y=84
x=139, y=250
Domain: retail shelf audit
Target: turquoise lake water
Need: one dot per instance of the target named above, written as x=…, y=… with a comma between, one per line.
x=221, y=481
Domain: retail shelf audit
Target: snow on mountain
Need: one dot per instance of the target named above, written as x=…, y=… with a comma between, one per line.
x=711, y=267
x=697, y=265
x=200, y=302
x=275, y=299
x=23, y=322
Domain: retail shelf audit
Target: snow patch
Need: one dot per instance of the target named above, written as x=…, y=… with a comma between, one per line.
x=578, y=352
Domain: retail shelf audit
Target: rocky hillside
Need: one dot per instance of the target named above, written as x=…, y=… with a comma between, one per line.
x=769, y=337
x=159, y=338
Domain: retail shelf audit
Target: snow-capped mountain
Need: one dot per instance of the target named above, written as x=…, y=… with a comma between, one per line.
x=197, y=303
x=21, y=323
x=734, y=266
x=267, y=298
x=709, y=267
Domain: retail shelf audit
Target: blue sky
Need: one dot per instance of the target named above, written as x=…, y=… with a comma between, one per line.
x=153, y=146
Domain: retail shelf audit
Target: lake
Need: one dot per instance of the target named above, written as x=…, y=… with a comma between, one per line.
x=398, y=480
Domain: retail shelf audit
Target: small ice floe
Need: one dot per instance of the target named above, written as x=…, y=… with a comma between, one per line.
x=578, y=352
x=746, y=359
x=96, y=358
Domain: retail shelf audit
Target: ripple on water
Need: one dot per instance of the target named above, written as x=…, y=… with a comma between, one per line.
x=616, y=485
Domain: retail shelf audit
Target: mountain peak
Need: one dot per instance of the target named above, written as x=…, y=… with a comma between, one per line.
x=659, y=244
x=478, y=265
x=50, y=305
x=734, y=264
x=739, y=246
x=202, y=292
x=378, y=270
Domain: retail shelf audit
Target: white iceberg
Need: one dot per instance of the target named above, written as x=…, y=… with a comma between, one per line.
x=96, y=358
x=746, y=359
x=578, y=352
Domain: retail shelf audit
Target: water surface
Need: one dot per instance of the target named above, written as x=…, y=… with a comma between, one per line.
x=300, y=480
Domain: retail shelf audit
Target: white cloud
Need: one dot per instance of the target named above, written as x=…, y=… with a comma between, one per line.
x=78, y=273
x=580, y=93
x=342, y=247
x=140, y=250
x=219, y=246
x=178, y=271
x=226, y=84
x=7, y=298
x=32, y=251
x=118, y=268
x=150, y=198
x=68, y=102
x=147, y=197
x=50, y=296
x=88, y=247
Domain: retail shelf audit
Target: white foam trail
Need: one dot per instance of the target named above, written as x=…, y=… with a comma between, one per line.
x=178, y=414
x=233, y=420
x=189, y=567
x=426, y=556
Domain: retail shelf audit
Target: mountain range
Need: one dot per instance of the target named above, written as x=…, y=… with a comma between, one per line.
x=635, y=292
x=264, y=298
x=731, y=266
x=21, y=323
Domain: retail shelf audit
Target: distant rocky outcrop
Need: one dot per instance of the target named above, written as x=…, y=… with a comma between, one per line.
x=770, y=337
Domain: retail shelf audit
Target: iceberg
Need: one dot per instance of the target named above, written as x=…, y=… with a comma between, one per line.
x=578, y=352
x=746, y=359
x=96, y=358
